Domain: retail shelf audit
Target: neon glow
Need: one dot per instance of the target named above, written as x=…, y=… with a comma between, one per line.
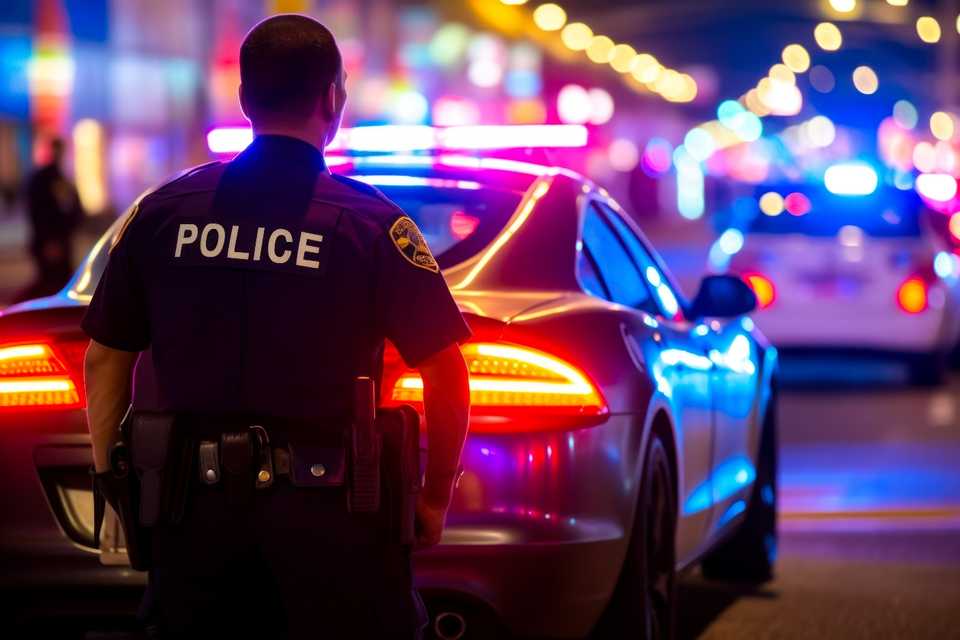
x=415, y=181
x=512, y=136
x=229, y=139
x=941, y=187
x=851, y=179
x=423, y=138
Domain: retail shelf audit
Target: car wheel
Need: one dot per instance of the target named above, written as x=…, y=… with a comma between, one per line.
x=928, y=370
x=644, y=602
x=748, y=556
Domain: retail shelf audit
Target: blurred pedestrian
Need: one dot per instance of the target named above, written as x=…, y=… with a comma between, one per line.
x=54, y=210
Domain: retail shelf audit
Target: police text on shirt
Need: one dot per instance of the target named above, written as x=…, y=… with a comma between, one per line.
x=276, y=245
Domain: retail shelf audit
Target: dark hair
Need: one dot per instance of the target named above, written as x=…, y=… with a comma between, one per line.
x=287, y=64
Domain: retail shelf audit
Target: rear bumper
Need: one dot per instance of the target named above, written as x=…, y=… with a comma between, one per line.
x=537, y=532
x=851, y=325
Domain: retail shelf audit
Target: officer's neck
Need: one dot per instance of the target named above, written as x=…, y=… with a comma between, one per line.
x=314, y=136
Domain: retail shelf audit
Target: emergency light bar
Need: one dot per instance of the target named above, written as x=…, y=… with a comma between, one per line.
x=390, y=137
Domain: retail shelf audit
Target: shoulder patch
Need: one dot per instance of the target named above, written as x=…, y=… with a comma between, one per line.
x=131, y=214
x=410, y=243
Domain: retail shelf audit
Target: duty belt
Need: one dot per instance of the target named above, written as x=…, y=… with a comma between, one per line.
x=245, y=455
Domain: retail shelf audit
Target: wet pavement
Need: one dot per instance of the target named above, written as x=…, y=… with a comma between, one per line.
x=870, y=524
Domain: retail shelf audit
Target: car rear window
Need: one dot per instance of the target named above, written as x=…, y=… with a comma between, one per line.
x=458, y=218
x=888, y=213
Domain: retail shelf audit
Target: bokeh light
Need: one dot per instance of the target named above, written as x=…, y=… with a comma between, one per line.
x=828, y=36
x=623, y=155
x=549, y=17
x=600, y=49
x=898, y=3
x=451, y=111
x=623, y=55
x=657, y=156
x=576, y=36
x=699, y=143
x=821, y=79
x=485, y=72
x=796, y=57
x=449, y=43
x=942, y=125
x=821, y=131
x=928, y=29
x=601, y=106
x=771, y=203
x=573, y=104
x=924, y=157
x=797, y=204
x=782, y=73
x=409, y=107
x=954, y=225
x=905, y=114
x=645, y=68
x=865, y=80
x=843, y=6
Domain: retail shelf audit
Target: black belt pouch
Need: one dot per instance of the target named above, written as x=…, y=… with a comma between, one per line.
x=162, y=458
x=236, y=461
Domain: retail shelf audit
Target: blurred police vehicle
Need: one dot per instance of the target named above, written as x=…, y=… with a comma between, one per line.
x=851, y=266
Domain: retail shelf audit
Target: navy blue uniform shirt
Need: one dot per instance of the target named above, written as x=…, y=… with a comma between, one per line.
x=265, y=285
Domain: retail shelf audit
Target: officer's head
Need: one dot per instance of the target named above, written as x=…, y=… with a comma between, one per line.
x=291, y=77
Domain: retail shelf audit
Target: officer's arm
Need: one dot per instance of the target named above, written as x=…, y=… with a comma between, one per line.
x=108, y=377
x=446, y=403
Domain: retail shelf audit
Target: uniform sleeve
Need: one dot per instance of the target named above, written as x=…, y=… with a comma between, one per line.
x=117, y=316
x=419, y=315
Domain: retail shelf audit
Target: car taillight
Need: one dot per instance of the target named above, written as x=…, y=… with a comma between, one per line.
x=762, y=288
x=41, y=375
x=516, y=388
x=912, y=295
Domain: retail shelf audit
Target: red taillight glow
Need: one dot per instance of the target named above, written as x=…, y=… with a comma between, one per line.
x=462, y=225
x=35, y=376
x=762, y=288
x=912, y=295
x=513, y=382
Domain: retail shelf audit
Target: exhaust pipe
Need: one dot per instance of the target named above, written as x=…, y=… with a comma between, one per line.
x=449, y=625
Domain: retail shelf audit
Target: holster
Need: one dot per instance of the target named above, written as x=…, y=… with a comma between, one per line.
x=400, y=430
x=120, y=488
x=162, y=456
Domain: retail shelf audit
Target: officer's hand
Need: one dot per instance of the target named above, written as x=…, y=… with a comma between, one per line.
x=430, y=521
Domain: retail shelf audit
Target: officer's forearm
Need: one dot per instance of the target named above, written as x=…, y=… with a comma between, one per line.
x=446, y=393
x=107, y=378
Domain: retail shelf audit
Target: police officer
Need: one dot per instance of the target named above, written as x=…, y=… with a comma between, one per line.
x=263, y=287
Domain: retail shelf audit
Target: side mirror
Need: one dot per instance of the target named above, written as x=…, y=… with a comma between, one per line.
x=723, y=297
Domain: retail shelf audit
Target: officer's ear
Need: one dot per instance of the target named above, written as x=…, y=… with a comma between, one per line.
x=243, y=102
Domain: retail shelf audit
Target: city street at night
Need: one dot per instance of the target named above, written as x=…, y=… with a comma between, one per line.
x=480, y=319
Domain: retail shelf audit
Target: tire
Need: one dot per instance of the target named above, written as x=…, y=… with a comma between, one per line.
x=749, y=555
x=644, y=601
x=928, y=370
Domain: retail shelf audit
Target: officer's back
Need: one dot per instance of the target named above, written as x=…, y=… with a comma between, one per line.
x=263, y=287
